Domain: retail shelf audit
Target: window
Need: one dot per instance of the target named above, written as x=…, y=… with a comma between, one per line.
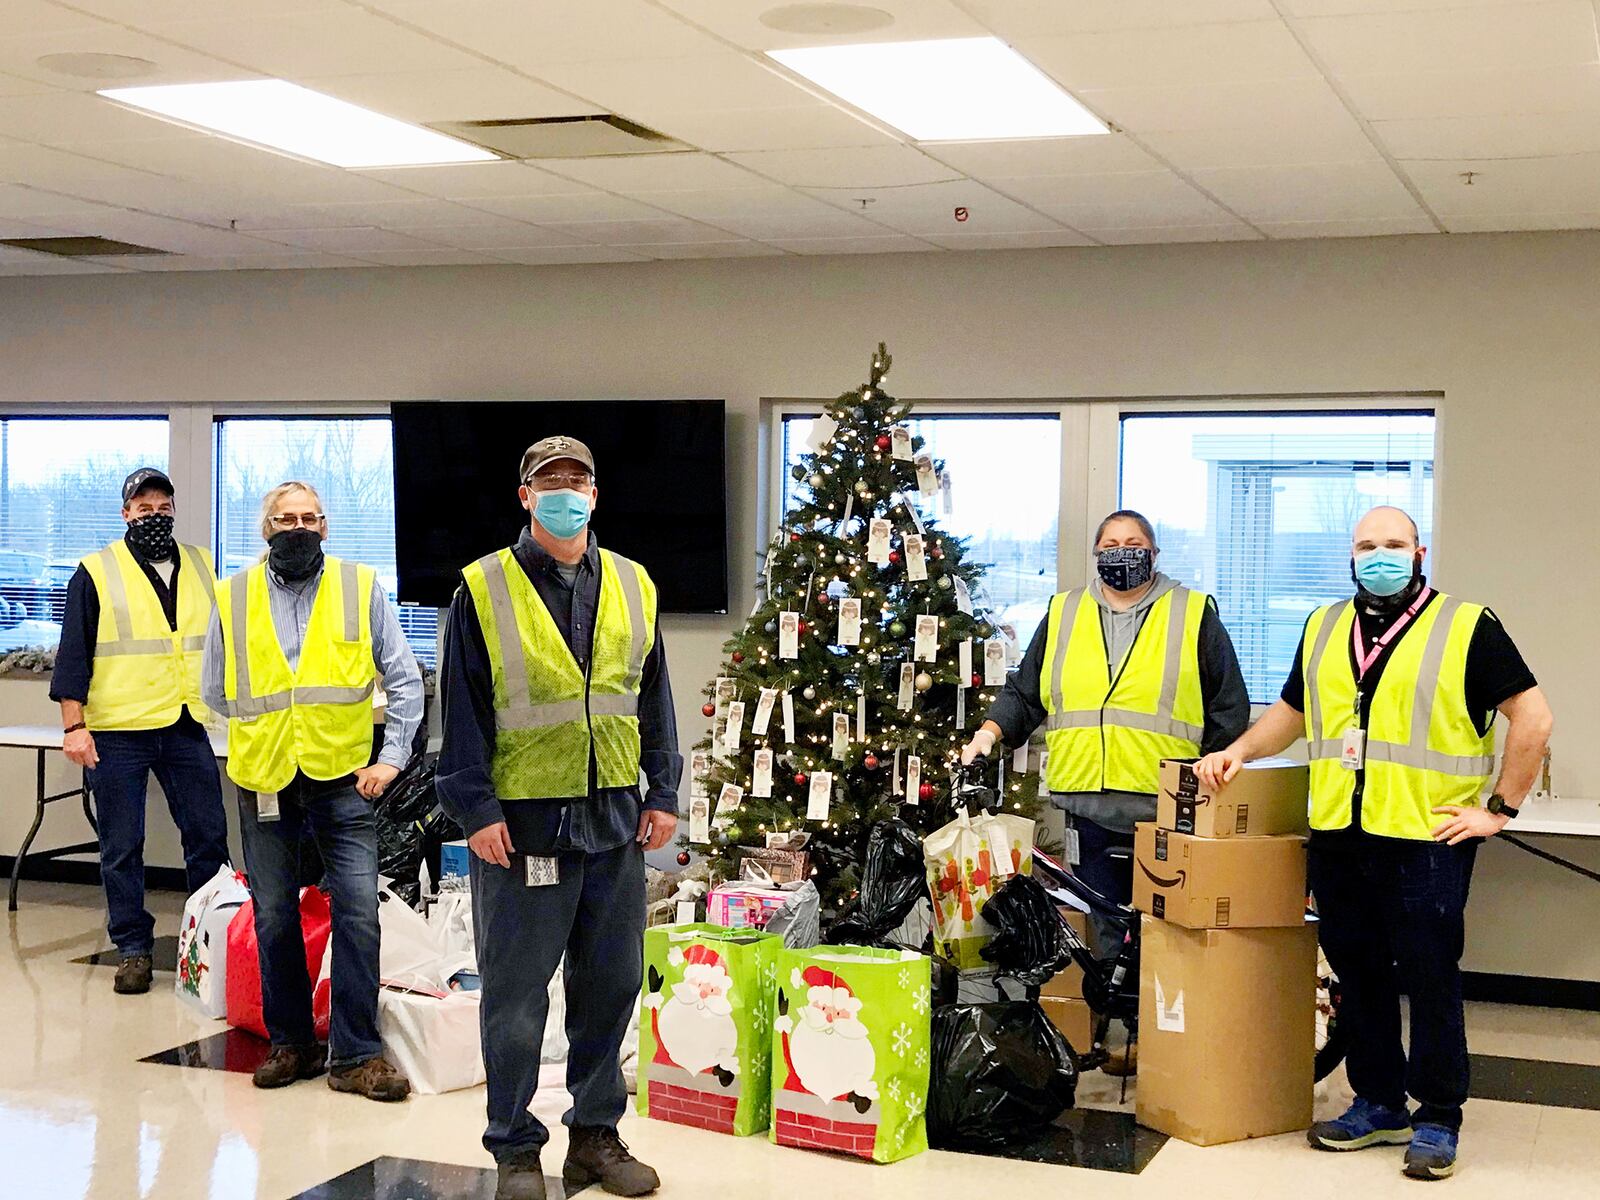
x=350, y=461
x=60, y=499
x=1005, y=473
x=1258, y=511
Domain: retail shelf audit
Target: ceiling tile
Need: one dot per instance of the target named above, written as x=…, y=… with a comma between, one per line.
x=1538, y=185
x=1278, y=102
x=174, y=64
x=737, y=249
x=40, y=16
x=514, y=234
x=1009, y=241
x=1337, y=8
x=476, y=181
x=1154, y=234
x=1186, y=207
x=428, y=258
x=543, y=256
x=664, y=231
x=1496, y=222
x=913, y=20
x=33, y=204
x=474, y=94
x=1092, y=155
x=525, y=33
x=927, y=209
x=848, y=169
x=1370, y=227
x=1495, y=38
x=41, y=166
x=144, y=13
x=768, y=201
x=807, y=127
x=282, y=261
x=654, y=172
x=1198, y=54
x=1020, y=17
x=1544, y=135
x=340, y=41
x=21, y=262
x=1312, y=192
x=821, y=221
x=15, y=85
x=881, y=244
x=12, y=228
x=1419, y=95
x=1160, y=190
x=1341, y=140
x=643, y=89
x=356, y=240
x=386, y=214
x=587, y=205
x=57, y=118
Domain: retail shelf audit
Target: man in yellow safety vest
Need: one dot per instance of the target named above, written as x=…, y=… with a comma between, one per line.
x=1395, y=693
x=127, y=677
x=556, y=698
x=293, y=657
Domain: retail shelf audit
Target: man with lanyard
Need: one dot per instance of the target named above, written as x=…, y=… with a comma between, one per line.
x=556, y=696
x=1396, y=694
x=293, y=656
x=1132, y=669
x=127, y=678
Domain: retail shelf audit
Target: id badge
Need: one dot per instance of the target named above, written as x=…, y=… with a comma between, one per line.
x=1354, y=757
x=543, y=872
x=1074, y=853
x=266, y=806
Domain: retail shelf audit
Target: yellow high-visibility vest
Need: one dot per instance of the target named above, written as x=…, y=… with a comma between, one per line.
x=316, y=718
x=549, y=718
x=145, y=672
x=1106, y=732
x=1423, y=747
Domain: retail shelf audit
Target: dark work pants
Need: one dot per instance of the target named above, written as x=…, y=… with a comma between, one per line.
x=1112, y=878
x=1392, y=921
x=340, y=822
x=594, y=917
x=184, y=766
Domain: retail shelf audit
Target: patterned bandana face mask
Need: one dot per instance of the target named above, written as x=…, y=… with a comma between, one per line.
x=1125, y=568
x=151, y=537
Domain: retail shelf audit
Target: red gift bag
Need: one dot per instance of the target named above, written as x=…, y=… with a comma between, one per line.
x=244, y=963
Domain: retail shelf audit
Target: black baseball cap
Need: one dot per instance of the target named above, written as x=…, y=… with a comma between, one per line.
x=143, y=479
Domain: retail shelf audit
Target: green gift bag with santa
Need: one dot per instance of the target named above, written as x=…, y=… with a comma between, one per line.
x=705, y=1026
x=850, y=1052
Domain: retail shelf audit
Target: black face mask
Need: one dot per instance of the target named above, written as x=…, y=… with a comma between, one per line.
x=150, y=538
x=295, y=554
x=1125, y=568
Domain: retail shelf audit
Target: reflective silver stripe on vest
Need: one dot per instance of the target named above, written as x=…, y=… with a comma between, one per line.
x=254, y=706
x=1152, y=723
x=1427, y=760
x=349, y=584
x=1428, y=674
x=127, y=646
x=119, y=597
x=1325, y=748
x=1069, y=617
x=243, y=703
x=628, y=575
x=198, y=566
x=1082, y=718
x=564, y=712
x=1177, y=621
x=1313, y=692
x=512, y=665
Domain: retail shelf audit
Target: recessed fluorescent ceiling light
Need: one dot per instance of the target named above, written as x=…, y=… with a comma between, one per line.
x=953, y=90
x=283, y=116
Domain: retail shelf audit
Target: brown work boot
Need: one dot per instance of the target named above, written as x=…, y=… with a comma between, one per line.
x=596, y=1154
x=374, y=1079
x=520, y=1178
x=133, y=975
x=289, y=1064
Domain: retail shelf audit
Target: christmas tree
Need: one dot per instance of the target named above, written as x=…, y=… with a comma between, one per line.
x=862, y=670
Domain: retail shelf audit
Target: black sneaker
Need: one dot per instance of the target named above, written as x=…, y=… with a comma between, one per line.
x=133, y=975
x=597, y=1155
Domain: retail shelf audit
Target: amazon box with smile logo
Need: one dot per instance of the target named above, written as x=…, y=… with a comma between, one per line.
x=1219, y=883
x=1270, y=796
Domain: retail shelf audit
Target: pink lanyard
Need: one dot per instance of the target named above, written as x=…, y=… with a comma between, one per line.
x=1364, y=661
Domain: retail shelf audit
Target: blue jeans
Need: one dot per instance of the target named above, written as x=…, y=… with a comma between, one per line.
x=341, y=824
x=594, y=917
x=186, y=769
x=1111, y=877
x=1392, y=921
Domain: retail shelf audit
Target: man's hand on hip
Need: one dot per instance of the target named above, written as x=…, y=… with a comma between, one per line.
x=656, y=828
x=492, y=843
x=79, y=748
x=1467, y=823
x=370, y=781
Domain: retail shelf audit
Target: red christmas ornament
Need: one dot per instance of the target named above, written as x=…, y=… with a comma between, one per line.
x=977, y=679
x=800, y=779
x=870, y=762
x=927, y=791
x=709, y=709
x=894, y=556
x=938, y=549
x=683, y=858
x=883, y=442
x=794, y=537
x=804, y=626
x=738, y=656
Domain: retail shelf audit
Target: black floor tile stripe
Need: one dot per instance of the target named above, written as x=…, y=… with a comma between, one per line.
x=164, y=955
x=1533, y=1081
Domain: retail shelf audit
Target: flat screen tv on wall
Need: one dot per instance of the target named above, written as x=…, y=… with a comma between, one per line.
x=659, y=467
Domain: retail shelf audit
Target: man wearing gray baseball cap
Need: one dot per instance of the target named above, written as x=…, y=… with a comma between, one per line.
x=556, y=699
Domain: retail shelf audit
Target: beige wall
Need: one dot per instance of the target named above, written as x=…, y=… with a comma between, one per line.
x=1504, y=326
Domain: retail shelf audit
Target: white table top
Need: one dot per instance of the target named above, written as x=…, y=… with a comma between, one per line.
x=1573, y=817
x=50, y=737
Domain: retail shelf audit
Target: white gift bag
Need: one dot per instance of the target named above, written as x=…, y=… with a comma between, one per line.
x=450, y=917
x=202, y=980
x=432, y=1040
x=410, y=952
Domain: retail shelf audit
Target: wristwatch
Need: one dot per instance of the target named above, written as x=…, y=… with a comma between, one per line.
x=1498, y=806
x=75, y=728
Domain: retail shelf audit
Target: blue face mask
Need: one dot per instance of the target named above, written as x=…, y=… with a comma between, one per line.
x=1385, y=572
x=563, y=514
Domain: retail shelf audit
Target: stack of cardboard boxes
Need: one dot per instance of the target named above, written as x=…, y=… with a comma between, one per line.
x=1228, y=969
x=1062, y=997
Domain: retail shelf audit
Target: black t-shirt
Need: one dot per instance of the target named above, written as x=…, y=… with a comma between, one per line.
x=1495, y=673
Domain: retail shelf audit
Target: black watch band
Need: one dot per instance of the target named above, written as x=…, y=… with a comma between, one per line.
x=75, y=728
x=1497, y=805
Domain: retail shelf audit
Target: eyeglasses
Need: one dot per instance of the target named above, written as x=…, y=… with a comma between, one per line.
x=296, y=520
x=578, y=481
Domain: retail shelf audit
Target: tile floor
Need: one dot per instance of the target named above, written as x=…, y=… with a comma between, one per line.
x=82, y=1116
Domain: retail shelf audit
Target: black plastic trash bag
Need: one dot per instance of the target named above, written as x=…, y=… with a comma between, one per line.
x=1001, y=1073
x=1030, y=938
x=893, y=880
x=408, y=819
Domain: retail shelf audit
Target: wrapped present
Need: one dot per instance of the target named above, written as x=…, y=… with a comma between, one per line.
x=744, y=905
x=759, y=864
x=244, y=963
x=705, y=1027
x=434, y=1041
x=968, y=860
x=851, y=1048
x=203, y=942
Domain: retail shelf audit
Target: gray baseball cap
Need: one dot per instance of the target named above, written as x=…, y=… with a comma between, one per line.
x=143, y=479
x=552, y=449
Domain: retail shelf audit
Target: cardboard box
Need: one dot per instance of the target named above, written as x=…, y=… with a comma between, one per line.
x=455, y=859
x=1270, y=796
x=1074, y=1018
x=1219, y=883
x=1067, y=984
x=1227, y=1027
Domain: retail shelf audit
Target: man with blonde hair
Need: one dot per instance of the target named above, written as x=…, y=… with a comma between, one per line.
x=292, y=658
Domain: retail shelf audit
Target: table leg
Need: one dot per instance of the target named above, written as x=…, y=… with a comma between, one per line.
x=33, y=831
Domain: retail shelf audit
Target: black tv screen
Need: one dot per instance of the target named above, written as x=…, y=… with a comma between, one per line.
x=659, y=467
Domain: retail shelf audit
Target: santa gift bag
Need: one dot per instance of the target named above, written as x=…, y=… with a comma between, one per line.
x=705, y=1027
x=244, y=963
x=203, y=942
x=968, y=860
x=850, y=1051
